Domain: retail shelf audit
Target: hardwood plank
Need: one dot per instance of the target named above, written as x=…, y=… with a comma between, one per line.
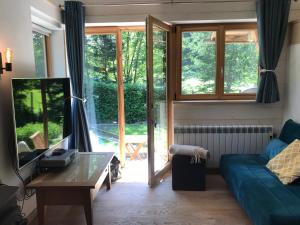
x=136, y=203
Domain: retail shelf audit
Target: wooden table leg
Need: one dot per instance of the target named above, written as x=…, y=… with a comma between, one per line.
x=108, y=179
x=88, y=210
x=130, y=149
x=40, y=207
x=136, y=151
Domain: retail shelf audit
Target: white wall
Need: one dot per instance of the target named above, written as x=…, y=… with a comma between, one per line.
x=16, y=33
x=99, y=11
x=292, y=103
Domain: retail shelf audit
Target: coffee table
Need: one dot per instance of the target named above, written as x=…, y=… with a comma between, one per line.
x=77, y=184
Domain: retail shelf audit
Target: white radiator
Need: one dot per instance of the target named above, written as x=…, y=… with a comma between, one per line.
x=241, y=139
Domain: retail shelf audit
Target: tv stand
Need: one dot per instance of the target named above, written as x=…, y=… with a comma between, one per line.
x=10, y=212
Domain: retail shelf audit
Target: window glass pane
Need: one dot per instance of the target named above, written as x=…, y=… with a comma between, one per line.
x=39, y=54
x=198, y=62
x=135, y=80
x=101, y=91
x=160, y=98
x=135, y=92
x=241, y=61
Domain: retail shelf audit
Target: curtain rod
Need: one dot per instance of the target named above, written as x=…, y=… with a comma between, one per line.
x=163, y=3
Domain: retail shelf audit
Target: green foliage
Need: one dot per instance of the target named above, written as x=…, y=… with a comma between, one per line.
x=106, y=102
x=159, y=59
x=39, y=54
x=28, y=101
x=27, y=96
x=134, y=57
x=55, y=98
x=100, y=81
x=101, y=61
x=130, y=129
x=135, y=103
x=24, y=133
x=136, y=129
x=55, y=132
x=198, y=71
x=198, y=63
x=241, y=65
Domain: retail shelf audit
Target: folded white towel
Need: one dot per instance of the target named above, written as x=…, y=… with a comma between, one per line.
x=196, y=151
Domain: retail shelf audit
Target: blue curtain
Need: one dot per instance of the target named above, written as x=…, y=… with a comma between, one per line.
x=74, y=23
x=272, y=23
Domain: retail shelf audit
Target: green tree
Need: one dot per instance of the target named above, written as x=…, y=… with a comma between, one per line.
x=134, y=57
x=101, y=60
x=39, y=53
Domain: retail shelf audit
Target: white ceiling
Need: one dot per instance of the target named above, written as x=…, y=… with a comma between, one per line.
x=174, y=11
x=149, y=2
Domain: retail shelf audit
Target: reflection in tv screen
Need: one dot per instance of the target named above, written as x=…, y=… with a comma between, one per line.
x=42, y=110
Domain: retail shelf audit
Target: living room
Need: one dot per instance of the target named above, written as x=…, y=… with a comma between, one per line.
x=220, y=112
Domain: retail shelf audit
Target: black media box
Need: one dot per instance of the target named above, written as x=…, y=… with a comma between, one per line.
x=58, y=161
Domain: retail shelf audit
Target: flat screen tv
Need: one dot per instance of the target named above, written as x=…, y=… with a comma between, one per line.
x=42, y=116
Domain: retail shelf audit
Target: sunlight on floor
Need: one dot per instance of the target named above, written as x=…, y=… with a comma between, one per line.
x=135, y=171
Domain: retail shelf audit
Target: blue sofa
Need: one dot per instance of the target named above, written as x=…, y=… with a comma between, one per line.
x=259, y=192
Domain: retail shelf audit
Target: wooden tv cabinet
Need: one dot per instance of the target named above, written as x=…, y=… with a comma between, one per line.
x=77, y=184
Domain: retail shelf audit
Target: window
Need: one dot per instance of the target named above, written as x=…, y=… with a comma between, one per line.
x=217, y=61
x=115, y=86
x=101, y=89
x=240, y=61
x=198, y=62
x=40, y=57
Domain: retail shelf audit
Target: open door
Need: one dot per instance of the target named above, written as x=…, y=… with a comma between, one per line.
x=158, y=100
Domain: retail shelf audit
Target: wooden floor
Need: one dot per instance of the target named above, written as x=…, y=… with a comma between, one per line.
x=136, y=204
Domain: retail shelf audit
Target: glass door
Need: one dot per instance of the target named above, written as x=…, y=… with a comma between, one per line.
x=158, y=35
x=103, y=88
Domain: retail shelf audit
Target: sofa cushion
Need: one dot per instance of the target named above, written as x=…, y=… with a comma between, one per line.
x=274, y=147
x=265, y=199
x=235, y=168
x=286, y=165
x=290, y=131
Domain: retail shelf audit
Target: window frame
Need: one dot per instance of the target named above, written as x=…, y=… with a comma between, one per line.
x=220, y=30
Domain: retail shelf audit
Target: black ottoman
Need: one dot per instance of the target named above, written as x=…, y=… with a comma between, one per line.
x=187, y=176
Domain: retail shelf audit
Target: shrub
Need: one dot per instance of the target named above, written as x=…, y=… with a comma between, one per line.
x=24, y=133
x=106, y=102
x=135, y=96
x=105, y=96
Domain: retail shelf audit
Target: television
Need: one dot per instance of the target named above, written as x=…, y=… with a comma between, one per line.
x=42, y=116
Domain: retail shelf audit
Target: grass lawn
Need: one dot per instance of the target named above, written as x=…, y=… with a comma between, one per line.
x=33, y=100
x=130, y=129
x=136, y=129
